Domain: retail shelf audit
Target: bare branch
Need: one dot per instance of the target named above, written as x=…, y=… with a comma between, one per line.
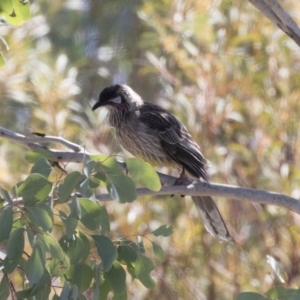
x=190, y=188
x=199, y=188
x=28, y=141
x=274, y=11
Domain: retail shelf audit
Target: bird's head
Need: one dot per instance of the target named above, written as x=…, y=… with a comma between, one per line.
x=118, y=96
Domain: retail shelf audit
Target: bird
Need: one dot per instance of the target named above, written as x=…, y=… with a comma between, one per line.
x=150, y=132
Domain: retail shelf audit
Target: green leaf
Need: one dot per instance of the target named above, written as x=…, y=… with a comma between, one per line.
x=56, y=268
x=81, y=275
x=143, y=267
x=67, y=187
x=6, y=196
x=94, y=182
x=128, y=252
x=104, y=220
x=72, y=248
x=65, y=292
x=85, y=189
x=104, y=289
x=86, y=247
x=90, y=213
x=15, y=247
x=158, y=252
x=116, y=277
x=42, y=166
x=163, y=230
x=23, y=294
x=45, y=281
x=6, y=220
x=41, y=216
x=250, y=296
x=22, y=9
x=35, y=265
x=143, y=173
x=89, y=167
x=59, y=262
x=34, y=189
x=119, y=186
x=6, y=6
x=71, y=225
x=33, y=156
x=281, y=292
x=106, y=250
x=4, y=288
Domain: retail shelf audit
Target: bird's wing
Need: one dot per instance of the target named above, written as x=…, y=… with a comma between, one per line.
x=175, y=139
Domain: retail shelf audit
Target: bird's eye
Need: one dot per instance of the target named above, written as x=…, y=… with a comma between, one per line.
x=116, y=100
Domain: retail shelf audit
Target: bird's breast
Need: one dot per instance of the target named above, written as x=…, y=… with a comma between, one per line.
x=141, y=141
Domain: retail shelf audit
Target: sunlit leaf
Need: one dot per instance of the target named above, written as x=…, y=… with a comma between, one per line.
x=40, y=215
x=22, y=9
x=81, y=275
x=143, y=268
x=116, y=277
x=119, y=186
x=86, y=247
x=143, y=173
x=90, y=213
x=67, y=187
x=34, y=189
x=6, y=6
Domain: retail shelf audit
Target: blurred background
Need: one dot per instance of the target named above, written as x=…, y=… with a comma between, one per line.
x=224, y=70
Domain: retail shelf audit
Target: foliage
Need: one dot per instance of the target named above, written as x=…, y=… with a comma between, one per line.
x=53, y=233
x=224, y=70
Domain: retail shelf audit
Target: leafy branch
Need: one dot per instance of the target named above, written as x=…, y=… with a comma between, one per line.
x=189, y=188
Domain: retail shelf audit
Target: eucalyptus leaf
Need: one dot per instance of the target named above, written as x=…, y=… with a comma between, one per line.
x=35, y=188
x=6, y=220
x=106, y=250
x=81, y=275
x=116, y=277
x=143, y=268
x=68, y=186
x=143, y=173
x=42, y=166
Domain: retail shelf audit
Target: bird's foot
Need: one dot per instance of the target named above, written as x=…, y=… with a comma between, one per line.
x=180, y=180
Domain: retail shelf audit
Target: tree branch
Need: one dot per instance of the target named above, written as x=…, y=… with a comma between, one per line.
x=274, y=11
x=196, y=188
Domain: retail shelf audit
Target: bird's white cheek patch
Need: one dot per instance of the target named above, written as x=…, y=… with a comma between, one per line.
x=116, y=100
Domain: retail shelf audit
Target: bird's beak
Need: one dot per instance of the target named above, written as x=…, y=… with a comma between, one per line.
x=96, y=105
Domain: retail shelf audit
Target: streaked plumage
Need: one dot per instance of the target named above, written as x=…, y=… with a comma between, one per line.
x=150, y=132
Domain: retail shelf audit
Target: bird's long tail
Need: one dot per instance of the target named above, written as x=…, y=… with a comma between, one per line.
x=212, y=218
